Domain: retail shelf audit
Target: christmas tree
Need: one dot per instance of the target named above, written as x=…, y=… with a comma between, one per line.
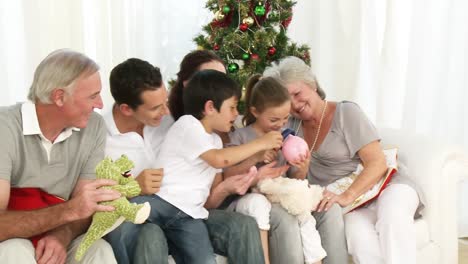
x=249, y=35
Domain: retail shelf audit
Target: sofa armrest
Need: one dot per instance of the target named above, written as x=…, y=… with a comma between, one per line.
x=436, y=168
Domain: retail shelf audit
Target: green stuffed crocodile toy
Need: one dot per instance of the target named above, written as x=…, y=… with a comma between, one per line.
x=105, y=222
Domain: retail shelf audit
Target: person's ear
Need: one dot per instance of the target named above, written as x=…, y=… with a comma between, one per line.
x=126, y=110
x=209, y=107
x=253, y=111
x=58, y=97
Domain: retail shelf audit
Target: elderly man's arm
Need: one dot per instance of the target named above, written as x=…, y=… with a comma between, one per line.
x=24, y=224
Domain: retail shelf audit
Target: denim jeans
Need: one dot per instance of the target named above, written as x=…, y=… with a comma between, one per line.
x=233, y=235
x=188, y=238
x=131, y=243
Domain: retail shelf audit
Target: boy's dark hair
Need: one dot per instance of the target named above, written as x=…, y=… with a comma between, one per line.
x=263, y=93
x=189, y=65
x=131, y=78
x=208, y=85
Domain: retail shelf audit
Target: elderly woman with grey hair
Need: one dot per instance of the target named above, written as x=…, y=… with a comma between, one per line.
x=340, y=137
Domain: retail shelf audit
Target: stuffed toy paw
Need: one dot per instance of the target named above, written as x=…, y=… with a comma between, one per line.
x=295, y=196
x=105, y=222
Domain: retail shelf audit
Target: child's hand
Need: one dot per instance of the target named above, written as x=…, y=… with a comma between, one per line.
x=239, y=184
x=272, y=140
x=270, y=171
x=266, y=156
x=270, y=155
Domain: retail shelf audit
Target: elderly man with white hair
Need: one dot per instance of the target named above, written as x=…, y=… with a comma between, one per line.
x=50, y=147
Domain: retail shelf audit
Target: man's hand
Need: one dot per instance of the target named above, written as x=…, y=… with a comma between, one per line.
x=87, y=196
x=150, y=180
x=51, y=249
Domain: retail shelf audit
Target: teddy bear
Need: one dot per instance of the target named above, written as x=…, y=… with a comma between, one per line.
x=296, y=196
x=104, y=222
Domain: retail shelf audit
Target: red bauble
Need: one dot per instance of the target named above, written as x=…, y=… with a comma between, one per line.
x=243, y=27
x=286, y=22
x=216, y=47
x=271, y=51
x=254, y=57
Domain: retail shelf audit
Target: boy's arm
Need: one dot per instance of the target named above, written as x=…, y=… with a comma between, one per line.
x=222, y=158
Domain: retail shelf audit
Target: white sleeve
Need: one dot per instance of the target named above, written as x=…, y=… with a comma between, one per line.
x=195, y=140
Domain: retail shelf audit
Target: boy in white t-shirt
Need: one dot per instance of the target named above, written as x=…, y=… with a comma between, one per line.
x=191, y=156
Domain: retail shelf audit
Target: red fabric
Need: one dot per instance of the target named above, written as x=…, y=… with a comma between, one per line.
x=26, y=199
x=384, y=185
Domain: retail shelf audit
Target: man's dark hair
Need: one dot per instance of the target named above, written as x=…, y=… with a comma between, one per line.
x=208, y=85
x=131, y=78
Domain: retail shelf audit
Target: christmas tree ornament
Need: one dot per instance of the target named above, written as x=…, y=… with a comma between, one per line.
x=271, y=51
x=259, y=10
x=250, y=36
x=219, y=15
x=243, y=27
x=286, y=22
x=248, y=20
x=226, y=9
x=233, y=67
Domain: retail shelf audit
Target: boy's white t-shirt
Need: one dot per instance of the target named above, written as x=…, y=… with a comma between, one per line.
x=187, y=178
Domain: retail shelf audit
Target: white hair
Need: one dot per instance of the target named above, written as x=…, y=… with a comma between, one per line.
x=60, y=69
x=292, y=69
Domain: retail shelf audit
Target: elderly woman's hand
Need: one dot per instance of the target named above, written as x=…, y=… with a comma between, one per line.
x=330, y=198
x=301, y=167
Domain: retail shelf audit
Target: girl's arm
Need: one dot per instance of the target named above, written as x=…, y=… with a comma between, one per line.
x=244, y=166
x=222, y=158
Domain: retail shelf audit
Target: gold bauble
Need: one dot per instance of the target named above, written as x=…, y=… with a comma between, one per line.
x=248, y=20
x=219, y=15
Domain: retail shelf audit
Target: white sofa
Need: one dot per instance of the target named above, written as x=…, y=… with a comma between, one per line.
x=436, y=168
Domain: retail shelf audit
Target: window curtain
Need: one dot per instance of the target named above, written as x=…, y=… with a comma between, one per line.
x=109, y=31
x=404, y=62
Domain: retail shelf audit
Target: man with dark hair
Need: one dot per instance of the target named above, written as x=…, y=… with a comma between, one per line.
x=137, y=126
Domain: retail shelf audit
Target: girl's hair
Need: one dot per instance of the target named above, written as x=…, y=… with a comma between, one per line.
x=208, y=85
x=188, y=67
x=263, y=93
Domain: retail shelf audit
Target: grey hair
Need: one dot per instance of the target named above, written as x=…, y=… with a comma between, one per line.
x=292, y=69
x=60, y=69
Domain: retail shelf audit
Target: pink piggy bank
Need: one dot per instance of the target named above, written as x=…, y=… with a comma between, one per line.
x=294, y=147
